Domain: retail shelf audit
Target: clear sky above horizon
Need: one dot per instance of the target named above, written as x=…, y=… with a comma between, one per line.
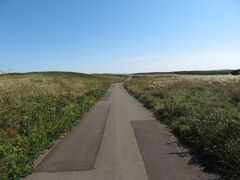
x=119, y=36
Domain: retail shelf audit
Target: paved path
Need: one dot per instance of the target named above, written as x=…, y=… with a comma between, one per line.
x=117, y=140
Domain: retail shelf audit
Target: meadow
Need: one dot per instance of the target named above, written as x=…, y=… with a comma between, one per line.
x=38, y=108
x=202, y=111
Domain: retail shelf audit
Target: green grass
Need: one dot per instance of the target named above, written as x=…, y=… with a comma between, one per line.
x=37, y=108
x=202, y=111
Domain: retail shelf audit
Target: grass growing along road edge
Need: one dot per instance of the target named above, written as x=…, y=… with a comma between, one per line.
x=37, y=108
x=202, y=111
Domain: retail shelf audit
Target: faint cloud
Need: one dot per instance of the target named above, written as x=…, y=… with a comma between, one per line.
x=137, y=59
x=177, y=62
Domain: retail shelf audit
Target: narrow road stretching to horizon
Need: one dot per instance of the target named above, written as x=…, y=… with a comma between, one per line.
x=118, y=140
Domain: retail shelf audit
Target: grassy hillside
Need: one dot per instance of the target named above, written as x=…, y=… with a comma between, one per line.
x=37, y=108
x=202, y=111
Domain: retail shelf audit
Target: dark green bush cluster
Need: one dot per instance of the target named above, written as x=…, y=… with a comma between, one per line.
x=204, y=115
x=31, y=119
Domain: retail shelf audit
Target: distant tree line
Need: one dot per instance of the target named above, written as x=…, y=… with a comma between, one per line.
x=236, y=72
x=212, y=72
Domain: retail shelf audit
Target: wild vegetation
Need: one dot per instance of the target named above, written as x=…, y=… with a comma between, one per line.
x=37, y=108
x=202, y=111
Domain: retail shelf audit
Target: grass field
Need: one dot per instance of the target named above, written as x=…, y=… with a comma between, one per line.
x=37, y=108
x=202, y=111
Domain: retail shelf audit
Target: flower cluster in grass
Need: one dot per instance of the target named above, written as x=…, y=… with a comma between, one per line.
x=202, y=111
x=37, y=109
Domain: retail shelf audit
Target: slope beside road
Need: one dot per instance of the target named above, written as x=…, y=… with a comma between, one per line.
x=118, y=139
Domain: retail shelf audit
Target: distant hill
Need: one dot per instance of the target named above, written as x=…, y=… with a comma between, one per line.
x=211, y=72
x=59, y=73
x=48, y=73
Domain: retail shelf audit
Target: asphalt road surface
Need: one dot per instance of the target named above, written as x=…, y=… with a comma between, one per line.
x=118, y=140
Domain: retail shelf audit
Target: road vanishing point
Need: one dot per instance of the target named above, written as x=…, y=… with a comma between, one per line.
x=118, y=139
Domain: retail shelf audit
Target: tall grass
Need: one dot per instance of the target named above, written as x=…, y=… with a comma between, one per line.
x=36, y=109
x=204, y=113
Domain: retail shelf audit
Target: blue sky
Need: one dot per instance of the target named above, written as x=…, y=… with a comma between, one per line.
x=119, y=36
